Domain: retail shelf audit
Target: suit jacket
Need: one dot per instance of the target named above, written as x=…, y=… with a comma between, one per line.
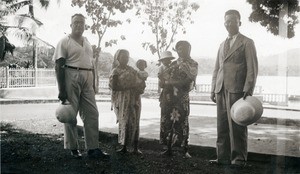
x=237, y=71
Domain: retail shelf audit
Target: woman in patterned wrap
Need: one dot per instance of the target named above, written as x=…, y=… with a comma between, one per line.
x=183, y=75
x=123, y=85
x=165, y=95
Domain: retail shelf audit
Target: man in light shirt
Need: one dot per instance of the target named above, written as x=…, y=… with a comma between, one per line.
x=74, y=71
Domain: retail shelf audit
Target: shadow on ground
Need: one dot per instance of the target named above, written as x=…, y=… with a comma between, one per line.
x=27, y=152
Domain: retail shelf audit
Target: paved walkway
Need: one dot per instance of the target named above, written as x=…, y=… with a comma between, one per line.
x=278, y=132
x=266, y=138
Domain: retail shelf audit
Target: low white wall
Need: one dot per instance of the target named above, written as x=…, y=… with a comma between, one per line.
x=29, y=92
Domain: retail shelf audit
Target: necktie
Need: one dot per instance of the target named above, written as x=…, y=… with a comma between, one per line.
x=227, y=45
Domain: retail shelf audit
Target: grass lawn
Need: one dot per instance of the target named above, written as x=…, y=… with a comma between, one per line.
x=36, y=146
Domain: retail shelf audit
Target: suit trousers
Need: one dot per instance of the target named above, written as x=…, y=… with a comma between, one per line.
x=231, y=137
x=81, y=95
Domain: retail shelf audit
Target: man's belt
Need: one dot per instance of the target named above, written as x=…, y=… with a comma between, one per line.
x=77, y=68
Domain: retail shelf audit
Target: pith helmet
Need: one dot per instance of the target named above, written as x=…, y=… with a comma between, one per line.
x=65, y=113
x=246, y=112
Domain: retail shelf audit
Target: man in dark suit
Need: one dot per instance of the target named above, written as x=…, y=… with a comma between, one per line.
x=234, y=77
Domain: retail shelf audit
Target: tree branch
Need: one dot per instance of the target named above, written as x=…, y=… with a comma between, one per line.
x=173, y=34
x=105, y=27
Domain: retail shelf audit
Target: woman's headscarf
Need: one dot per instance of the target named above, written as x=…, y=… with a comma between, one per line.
x=116, y=57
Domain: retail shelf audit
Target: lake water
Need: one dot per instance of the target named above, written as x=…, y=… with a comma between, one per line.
x=269, y=84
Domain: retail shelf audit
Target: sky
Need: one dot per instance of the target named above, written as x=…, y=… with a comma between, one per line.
x=205, y=35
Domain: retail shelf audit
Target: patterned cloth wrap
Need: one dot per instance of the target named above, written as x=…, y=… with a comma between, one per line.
x=126, y=104
x=185, y=68
x=127, y=79
x=174, y=116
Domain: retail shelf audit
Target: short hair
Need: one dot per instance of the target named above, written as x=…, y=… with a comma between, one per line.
x=184, y=43
x=233, y=12
x=140, y=61
x=77, y=14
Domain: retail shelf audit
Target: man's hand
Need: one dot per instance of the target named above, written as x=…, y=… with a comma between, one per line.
x=62, y=96
x=213, y=97
x=246, y=94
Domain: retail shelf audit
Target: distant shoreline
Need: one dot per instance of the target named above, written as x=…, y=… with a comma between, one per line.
x=269, y=84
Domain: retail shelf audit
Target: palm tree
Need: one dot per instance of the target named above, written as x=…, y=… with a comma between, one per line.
x=25, y=33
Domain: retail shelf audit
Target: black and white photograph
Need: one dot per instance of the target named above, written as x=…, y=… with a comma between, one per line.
x=150, y=86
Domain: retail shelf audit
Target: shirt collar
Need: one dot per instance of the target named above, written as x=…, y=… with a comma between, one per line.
x=233, y=37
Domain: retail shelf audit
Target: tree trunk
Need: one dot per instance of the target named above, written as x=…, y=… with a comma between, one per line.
x=34, y=58
x=96, y=68
x=97, y=74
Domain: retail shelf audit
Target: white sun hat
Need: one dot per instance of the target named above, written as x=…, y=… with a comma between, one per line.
x=166, y=55
x=246, y=112
x=65, y=113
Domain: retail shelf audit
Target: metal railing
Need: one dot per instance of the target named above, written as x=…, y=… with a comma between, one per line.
x=20, y=77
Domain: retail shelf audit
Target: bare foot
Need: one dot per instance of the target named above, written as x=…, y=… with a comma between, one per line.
x=137, y=152
x=122, y=150
x=187, y=155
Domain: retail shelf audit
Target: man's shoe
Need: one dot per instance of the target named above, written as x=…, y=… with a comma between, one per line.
x=76, y=154
x=217, y=162
x=97, y=154
x=187, y=155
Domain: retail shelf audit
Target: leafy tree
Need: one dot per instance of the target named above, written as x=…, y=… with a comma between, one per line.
x=266, y=12
x=165, y=18
x=23, y=57
x=23, y=32
x=102, y=12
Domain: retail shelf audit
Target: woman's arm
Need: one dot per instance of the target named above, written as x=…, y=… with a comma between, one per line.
x=114, y=84
x=179, y=83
